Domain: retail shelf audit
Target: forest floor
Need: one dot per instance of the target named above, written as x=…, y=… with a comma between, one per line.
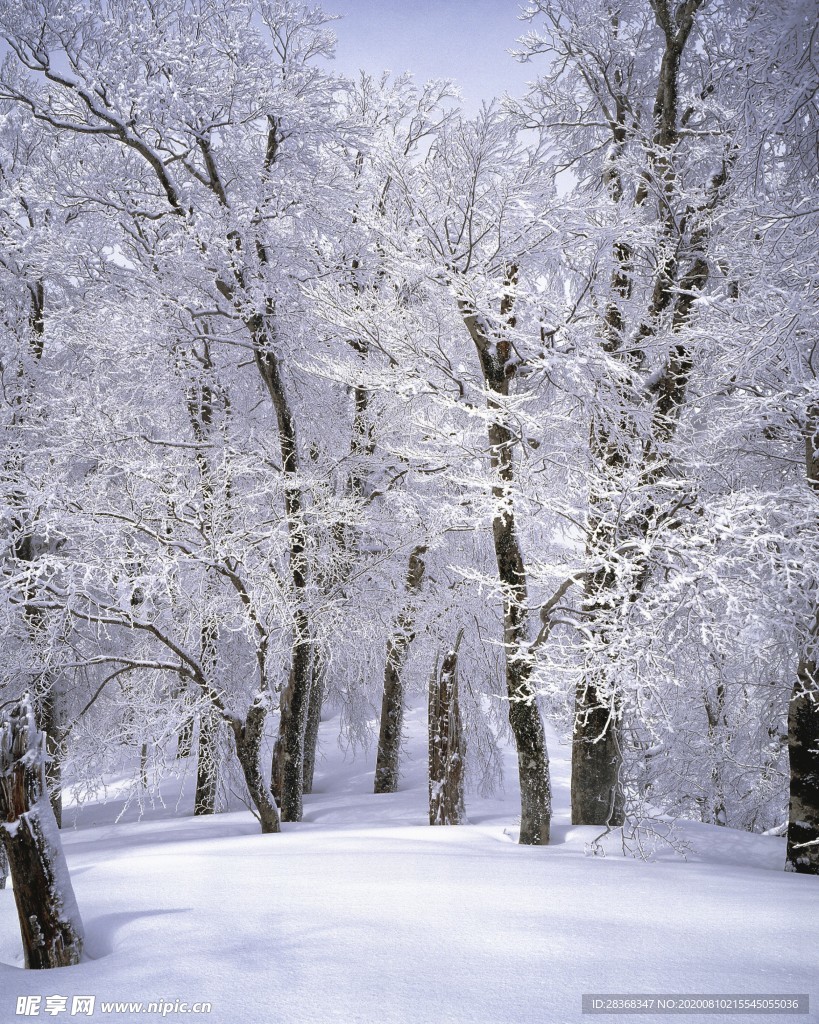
x=364, y=913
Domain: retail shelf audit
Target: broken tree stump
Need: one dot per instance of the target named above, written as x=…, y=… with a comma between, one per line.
x=50, y=924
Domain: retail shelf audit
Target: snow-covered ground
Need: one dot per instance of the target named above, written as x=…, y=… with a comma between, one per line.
x=364, y=913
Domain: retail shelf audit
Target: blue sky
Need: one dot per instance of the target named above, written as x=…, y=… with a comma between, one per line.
x=466, y=40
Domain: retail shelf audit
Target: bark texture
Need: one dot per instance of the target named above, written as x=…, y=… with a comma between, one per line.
x=50, y=924
x=207, y=765
x=387, y=765
x=288, y=752
x=597, y=791
x=447, y=746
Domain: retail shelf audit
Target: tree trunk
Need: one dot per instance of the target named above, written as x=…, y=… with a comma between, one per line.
x=524, y=715
x=50, y=923
x=392, y=719
x=392, y=701
x=288, y=752
x=4, y=863
x=498, y=366
x=597, y=790
x=248, y=739
x=533, y=768
x=447, y=748
x=803, y=720
x=596, y=785
x=803, y=747
x=288, y=757
x=207, y=764
x=313, y=720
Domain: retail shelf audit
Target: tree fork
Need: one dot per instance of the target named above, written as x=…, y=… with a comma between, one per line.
x=248, y=738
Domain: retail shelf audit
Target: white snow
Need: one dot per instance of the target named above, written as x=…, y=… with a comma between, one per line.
x=364, y=913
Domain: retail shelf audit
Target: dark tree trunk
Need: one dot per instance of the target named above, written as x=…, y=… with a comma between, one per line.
x=597, y=790
x=533, y=773
x=596, y=784
x=207, y=764
x=803, y=720
x=288, y=752
x=447, y=747
x=387, y=762
x=498, y=365
x=248, y=738
x=50, y=923
x=4, y=863
x=288, y=758
x=803, y=748
x=311, y=730
x=524, y=715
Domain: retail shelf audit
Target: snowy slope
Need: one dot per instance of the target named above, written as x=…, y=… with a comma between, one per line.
x=365, y=913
